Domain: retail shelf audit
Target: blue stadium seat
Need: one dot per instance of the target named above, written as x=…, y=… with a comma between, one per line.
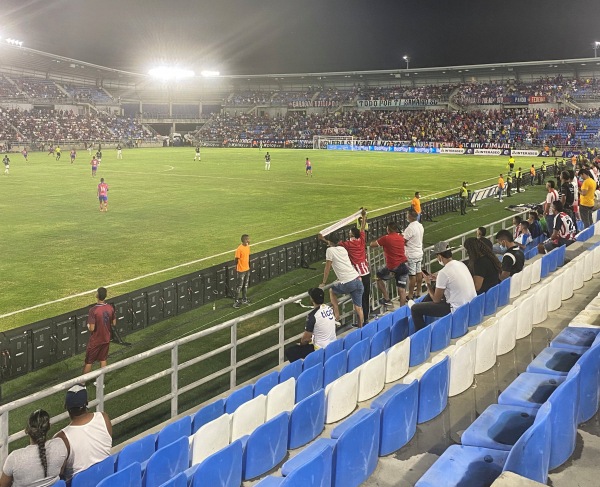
x=309, y=382
x=479, y=467
x=335, y=367
x=369, y=330
x=94, y=474
x=441, y=330
x=476, y=306
x=399, y=408
x=546, y=258
x=314, y=358
x=573, y=337
x=207, y=414
x=290, y=370
x=433, y=390
x=173, y=431
x=380, y=342
x=59, y=483
x=138, y=451
x=504, y=293
x=359, y=354
x=356, y=449
x=166, y=463
x=266, y=383
x=460, y=321
x=334, y=348
x=531, y=390
x=180, y=480
x=307, y=420
x=420, y=346
x=130, y=476
x=553, y=259
x=386, y=321
x=266, y=447
x=491, y=300
x=399, y=330
x=240, y=396
x=221, y=469
x=352, y=339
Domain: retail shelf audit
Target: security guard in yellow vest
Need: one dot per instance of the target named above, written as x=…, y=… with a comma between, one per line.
x=464, y=195
x=518, y=176
x=509, y=182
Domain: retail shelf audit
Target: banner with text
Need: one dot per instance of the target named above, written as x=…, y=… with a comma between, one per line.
x=384, y=148
x=397, y=102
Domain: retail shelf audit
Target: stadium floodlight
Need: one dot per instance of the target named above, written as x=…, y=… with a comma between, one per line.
x=169, y=73
x=407, y=59
x=14, y=42
x=596, y=45
x=210, y=74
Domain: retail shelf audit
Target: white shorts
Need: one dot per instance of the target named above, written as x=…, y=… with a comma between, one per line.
x=414, y=265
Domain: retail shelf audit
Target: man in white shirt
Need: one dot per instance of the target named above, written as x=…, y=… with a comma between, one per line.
x=454, y=287
x=349, y=279
x=548, y=210
x=413, y=248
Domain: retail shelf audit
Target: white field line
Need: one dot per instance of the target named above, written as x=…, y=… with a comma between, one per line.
x=227, y=252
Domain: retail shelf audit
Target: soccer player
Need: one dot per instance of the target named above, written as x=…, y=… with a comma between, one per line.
x=94, y=163
x=99, y=156
x=267, y=162
x=51, y=150
x=242, y=266
x=103, y=195
x=25, y=154
x=73, y=155
x=100, y=320
x=197, y=156
x=308, y=167
x=119, y=152
x=6, y=162
x=511, y=163
x=57, y=151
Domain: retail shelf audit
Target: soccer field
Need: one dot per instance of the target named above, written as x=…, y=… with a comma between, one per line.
x=166, y=210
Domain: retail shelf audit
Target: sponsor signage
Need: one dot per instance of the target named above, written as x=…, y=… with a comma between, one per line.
x=525, y=153
x=506, y=100
x=398, y=102
x=384, y=148
x=451, y=150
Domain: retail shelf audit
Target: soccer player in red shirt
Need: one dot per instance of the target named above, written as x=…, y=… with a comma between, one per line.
x=395, y=263
x=94, y=163
x=103, y=195
x=100, y=320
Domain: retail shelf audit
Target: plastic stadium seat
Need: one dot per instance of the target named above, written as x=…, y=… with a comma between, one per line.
x=399, y=331
x=553, y=260
x=588, y=269
x=210, y=438
x=515, y=284
x=441, y=330
x=371, y=377
x=462, y=364
x=290, y=370
x=352, y=339
x=578, y=275
x=555, y=291
x=540, y=309
x=507, y=329
x=94, y=474
x=239, y=397
x=222, y=469
x=248, y=417
x=307, y=420
x=531, y=390
x=434, y=383
x=138, y=451
x=525, y=315
x=397, y=361
x=536, y=271
x=266, y=383
x=487, y=345
x=504, y=292
x=341, y=397
x=380, y=342
x=596, y=252
x=335, y=367
x=386, y=321
x=179, y=480
x=359, y=354
x=479, y=467
x=491, y=300
x=173, y=431
x=476, y=307
x=314, y=358
x=420, y=346
x=309, y=382
x=130, y=476
x=399, y=406
x=526, y=278
x=356, y=449
x=207, y=413
x=266, y=447
x=369, y=330
x=334, y=347
x=59, y=483
x=574, y=338
x=460, y=321
x=166, y=463
x=281, y=398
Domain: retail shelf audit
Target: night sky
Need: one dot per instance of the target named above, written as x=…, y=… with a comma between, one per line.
x=291, y=36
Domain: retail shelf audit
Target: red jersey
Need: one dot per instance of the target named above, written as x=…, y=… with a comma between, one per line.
x=94, y=162
x=308, y=164
x=101, y=315
x=357, y=252
x=103, y=189
x=393, y=249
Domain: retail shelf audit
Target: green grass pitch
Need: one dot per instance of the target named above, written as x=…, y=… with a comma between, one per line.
x=165, y=209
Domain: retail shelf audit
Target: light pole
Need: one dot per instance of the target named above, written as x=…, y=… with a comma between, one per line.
x=407, y=59
x=596, y=45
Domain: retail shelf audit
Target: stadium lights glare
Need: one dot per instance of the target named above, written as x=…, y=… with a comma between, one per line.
x=407, y=59
x=596, y=45
x=14, y=42
x=210, y=74
x=166, y=73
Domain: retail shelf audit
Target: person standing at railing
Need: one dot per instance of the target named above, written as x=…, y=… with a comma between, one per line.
x=532, y=175
x=501, y=185
x=518, y=177
x=413, y=236
x=242, y=267
x=416, y=205
x=101, y=318
x=464, y=196
x=586, y=200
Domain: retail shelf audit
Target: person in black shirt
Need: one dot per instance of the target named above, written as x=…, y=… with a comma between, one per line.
x=483, y=264
x=513, y=259
x=481, y=235
x=566, y=194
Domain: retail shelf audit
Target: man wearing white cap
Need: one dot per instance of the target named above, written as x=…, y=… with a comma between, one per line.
x=454, y=287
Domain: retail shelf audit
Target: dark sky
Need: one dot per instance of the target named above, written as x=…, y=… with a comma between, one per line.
x=287, y=36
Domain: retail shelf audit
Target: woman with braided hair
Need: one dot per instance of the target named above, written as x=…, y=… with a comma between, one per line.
x=483, y=264
x=40, y=463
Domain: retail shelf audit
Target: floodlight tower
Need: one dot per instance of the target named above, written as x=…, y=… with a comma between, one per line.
x=407, y=59
x=596, y=45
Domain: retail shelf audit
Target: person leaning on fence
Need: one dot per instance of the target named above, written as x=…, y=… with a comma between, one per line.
x=454, y=287
x=319, y=330
x=464, y=195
